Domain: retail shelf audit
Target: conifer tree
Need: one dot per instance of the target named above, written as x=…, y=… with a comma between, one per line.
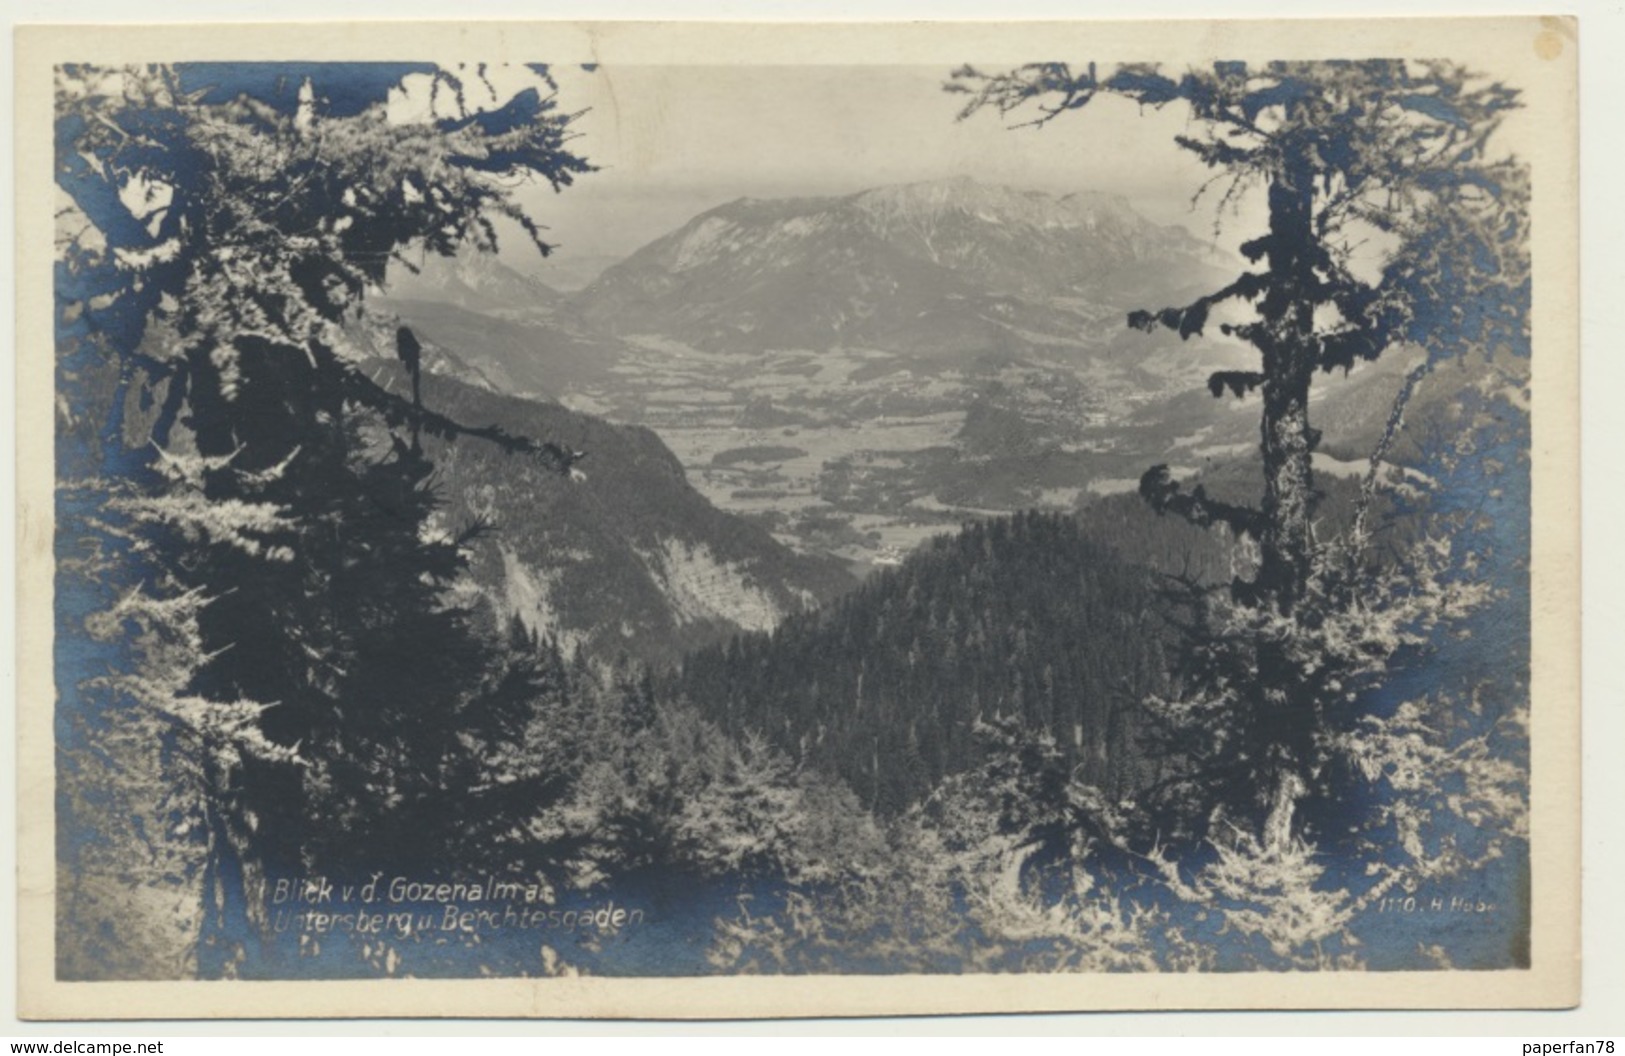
x=253, y=496
x=1382, y=152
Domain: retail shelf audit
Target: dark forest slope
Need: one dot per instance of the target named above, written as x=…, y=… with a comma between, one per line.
x=1023, y=617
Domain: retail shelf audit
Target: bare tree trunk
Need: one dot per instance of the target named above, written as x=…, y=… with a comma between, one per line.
x=1288, y=441
x=1287, y=345
x=1287, y=446
x=1289, y=788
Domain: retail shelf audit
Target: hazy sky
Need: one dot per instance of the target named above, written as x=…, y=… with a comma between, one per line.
x=674, y=141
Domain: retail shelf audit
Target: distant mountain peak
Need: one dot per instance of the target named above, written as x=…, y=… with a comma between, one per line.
x=960, y=190
x=471, y=279
x=1000, y=204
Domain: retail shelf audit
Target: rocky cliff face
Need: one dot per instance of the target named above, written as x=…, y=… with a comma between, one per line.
x=622, y=557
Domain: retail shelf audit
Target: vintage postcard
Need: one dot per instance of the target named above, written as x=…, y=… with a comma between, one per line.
x=735, y=520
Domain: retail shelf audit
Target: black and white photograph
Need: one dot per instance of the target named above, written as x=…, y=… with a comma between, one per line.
x=824, y=516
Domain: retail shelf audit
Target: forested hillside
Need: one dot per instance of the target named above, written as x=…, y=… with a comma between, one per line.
x=1022, y=618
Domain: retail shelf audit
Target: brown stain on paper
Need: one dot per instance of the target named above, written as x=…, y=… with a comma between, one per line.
x=1549, y=42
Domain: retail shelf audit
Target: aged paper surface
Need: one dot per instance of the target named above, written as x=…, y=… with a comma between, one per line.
x=230, y=905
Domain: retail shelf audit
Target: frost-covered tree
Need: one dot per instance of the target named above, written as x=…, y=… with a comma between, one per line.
x=235, y=489
x=997, y=871
x=1392, y=222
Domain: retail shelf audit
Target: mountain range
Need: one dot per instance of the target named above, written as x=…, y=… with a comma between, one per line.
x=942, y=268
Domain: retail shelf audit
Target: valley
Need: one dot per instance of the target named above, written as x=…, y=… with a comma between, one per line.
x=855, y=376
x=865, y=453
